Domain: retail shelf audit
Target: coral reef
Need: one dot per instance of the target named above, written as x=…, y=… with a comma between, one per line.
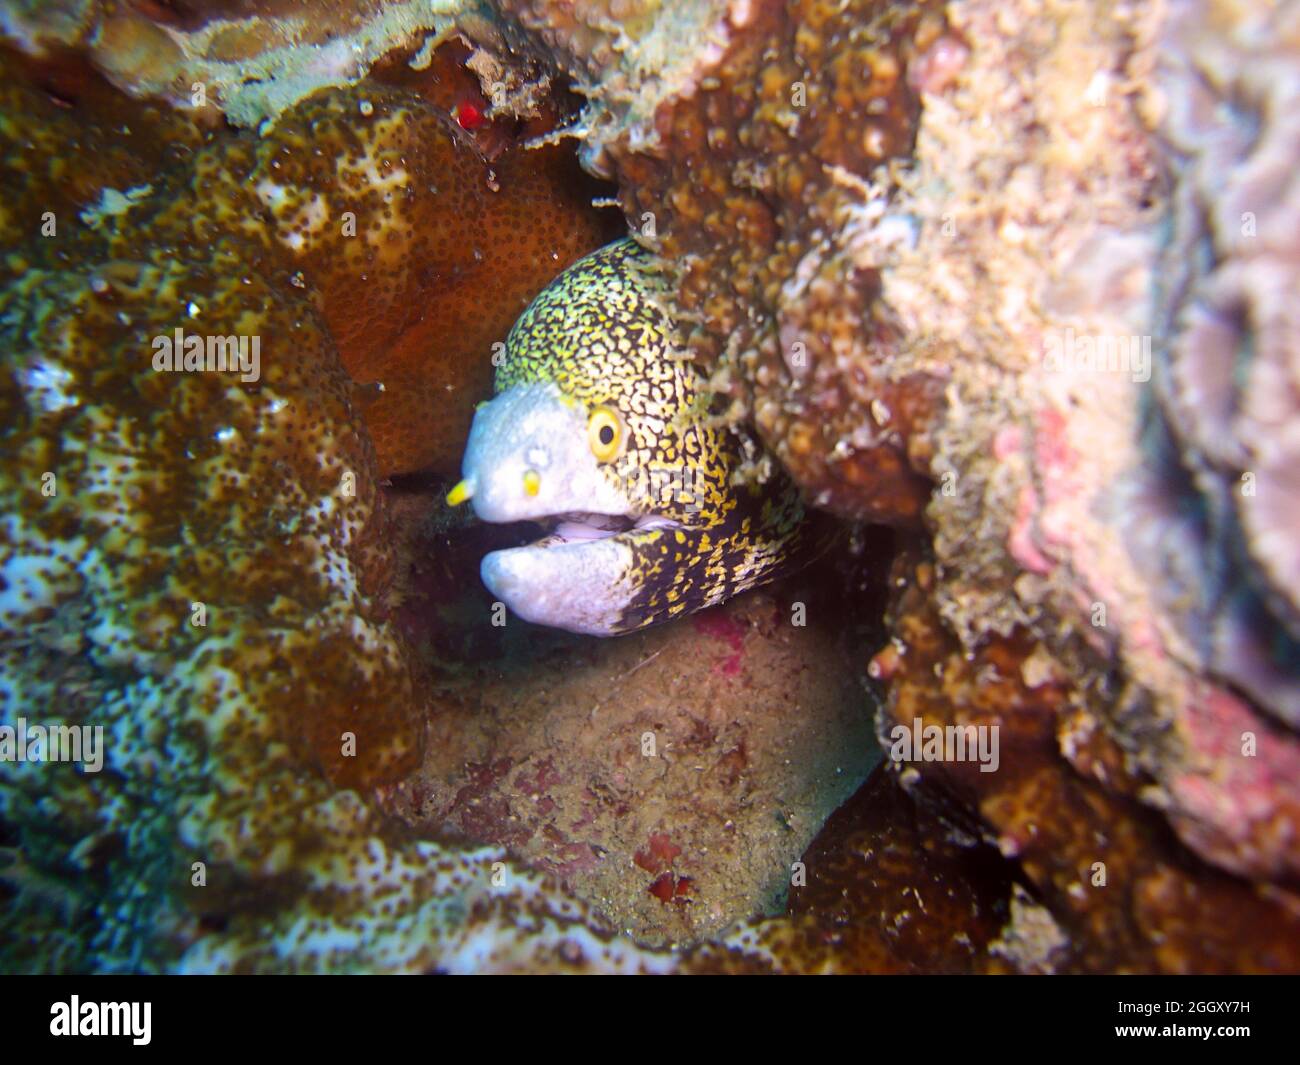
x=1060, y=477
x=942, y=274
x=174, y=541
x=1012, y=277
x=1065, y=805
x=420, y=252
x=196, y=562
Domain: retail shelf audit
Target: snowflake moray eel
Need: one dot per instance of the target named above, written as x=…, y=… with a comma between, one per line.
x=600, y=431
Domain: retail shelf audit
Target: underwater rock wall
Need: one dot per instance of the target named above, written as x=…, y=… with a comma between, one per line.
x=675, y=775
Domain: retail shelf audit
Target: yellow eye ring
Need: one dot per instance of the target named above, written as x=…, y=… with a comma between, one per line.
x=605, y=433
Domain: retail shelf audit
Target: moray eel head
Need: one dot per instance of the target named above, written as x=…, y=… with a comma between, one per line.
x=529, y=459
x=598, y=432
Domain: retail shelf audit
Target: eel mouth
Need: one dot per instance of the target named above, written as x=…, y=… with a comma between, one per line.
x=580, y=526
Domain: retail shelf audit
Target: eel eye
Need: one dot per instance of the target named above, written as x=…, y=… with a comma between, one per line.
x=605, y=433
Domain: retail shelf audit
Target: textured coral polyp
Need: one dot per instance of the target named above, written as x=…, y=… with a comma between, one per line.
x=115, y=148
x=1228, y=393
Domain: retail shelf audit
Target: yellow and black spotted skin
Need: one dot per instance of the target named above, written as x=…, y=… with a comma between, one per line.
x=599, y=424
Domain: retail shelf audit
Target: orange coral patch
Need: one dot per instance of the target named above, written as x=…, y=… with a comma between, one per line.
x=420, y=252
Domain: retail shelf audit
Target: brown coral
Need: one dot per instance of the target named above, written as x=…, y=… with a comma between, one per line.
x=1112, y=875
x=75, y=172
x=893, y=887
x=196, y=562
x=420, y=252
x=754, y=175
x=1017, y=207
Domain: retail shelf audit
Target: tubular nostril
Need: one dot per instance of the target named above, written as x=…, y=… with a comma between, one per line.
x=463, y=491
x=532, y=482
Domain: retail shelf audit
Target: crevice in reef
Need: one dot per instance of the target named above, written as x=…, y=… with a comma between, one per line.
x=672, y=777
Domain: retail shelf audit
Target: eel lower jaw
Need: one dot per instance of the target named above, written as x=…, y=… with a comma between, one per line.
x=580, y=577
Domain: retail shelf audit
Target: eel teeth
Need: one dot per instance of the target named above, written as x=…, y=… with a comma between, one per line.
x=566, y=528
